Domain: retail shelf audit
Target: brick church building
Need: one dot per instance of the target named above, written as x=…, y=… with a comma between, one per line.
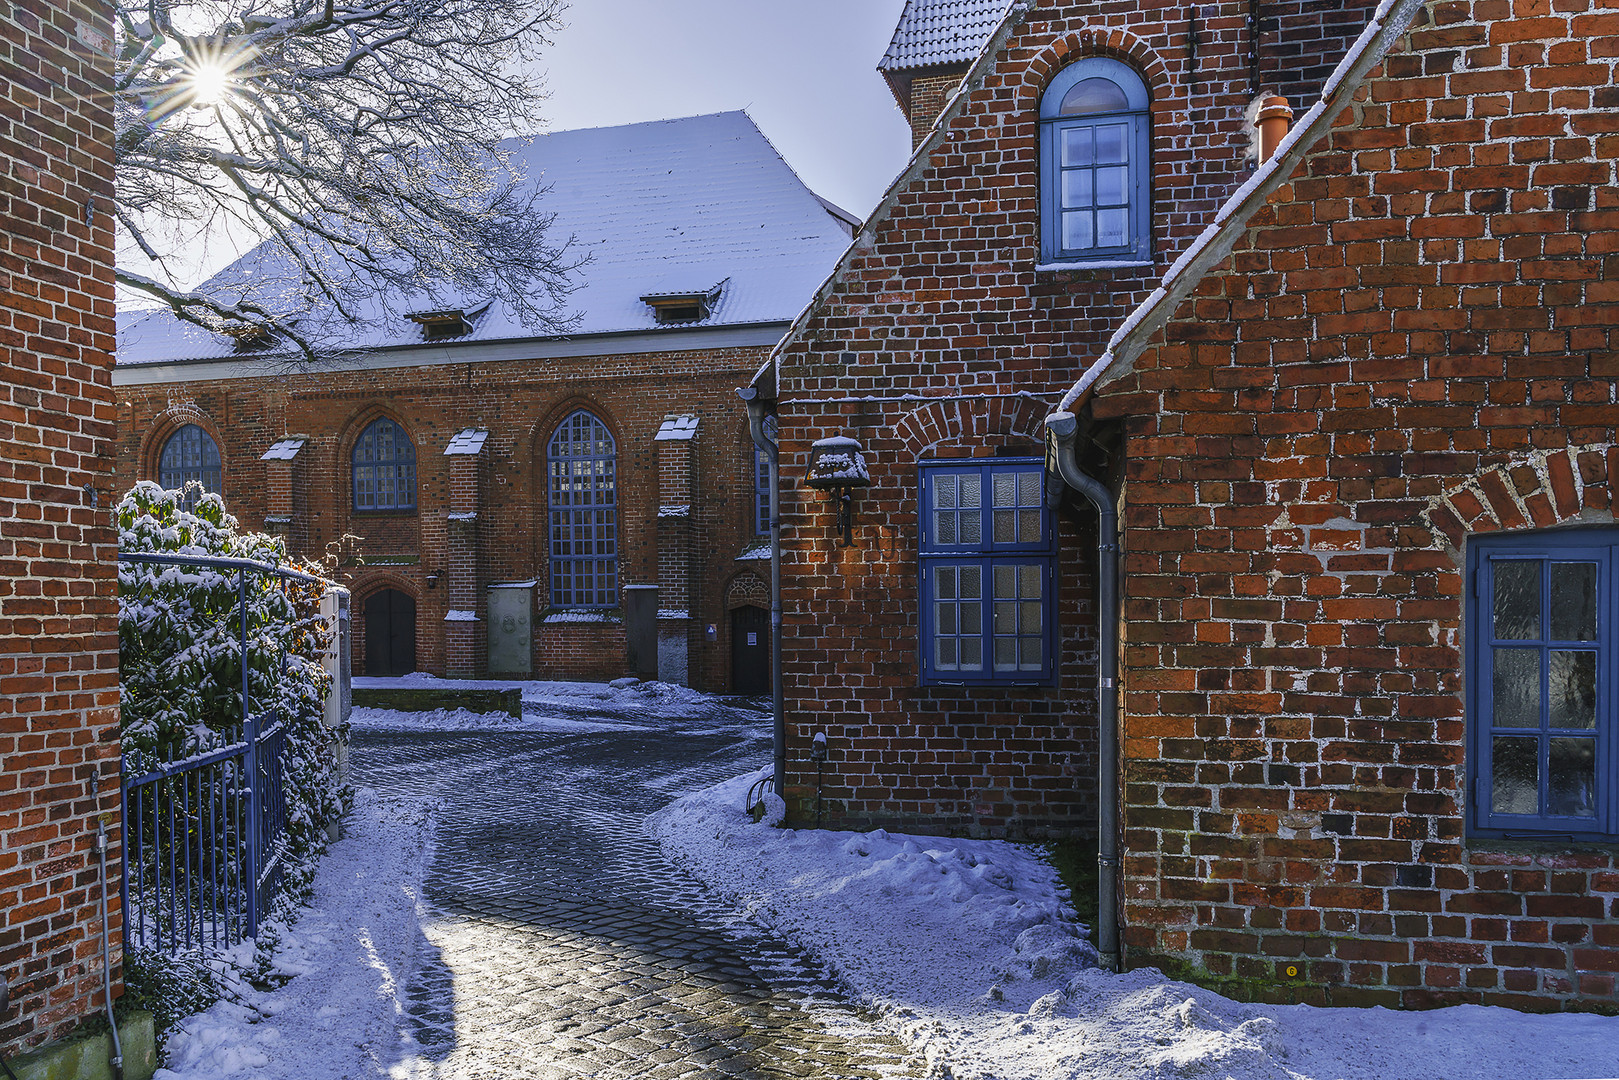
x=511, y=499
x=1248, y=506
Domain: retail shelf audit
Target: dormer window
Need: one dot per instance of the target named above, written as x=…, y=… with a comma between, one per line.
x=683, y=307
x=248, y=337
x=442, y=325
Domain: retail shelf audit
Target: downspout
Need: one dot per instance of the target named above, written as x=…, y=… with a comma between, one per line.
x=117, y=1060
x=761, y=439
x=1062, y=431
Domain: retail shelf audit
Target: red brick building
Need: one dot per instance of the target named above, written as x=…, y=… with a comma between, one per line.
x=58, y=612
x=515, y=499
x=1359, y=436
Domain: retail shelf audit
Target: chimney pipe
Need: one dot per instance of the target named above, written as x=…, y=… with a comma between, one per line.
x=1274, y=118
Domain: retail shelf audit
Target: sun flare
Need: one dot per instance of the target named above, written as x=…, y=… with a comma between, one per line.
x=210, y=82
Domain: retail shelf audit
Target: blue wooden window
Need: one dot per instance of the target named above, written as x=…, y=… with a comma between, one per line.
x=189, y=455
x=384, y=461
x=1095, y=165
x=988, y=569
x=1542, y=659
x=761, y=481
x=581, y=461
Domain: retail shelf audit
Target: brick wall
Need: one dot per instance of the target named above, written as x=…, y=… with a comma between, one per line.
x=941, y=298
x=58, y=615
x=520, y=403
x=1414, y=345
x=926, y=95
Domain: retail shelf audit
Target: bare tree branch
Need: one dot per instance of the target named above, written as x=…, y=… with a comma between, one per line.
x=362, y=140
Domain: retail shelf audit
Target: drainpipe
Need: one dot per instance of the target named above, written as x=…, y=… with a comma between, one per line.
x=117, y=1060
x=1062, y=431
x=761, y=439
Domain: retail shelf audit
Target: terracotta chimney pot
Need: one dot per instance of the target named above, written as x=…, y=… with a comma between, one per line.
x=1274, y=117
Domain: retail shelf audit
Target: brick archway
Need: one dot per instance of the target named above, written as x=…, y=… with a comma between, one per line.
x=1534, y=491
x=971, y=423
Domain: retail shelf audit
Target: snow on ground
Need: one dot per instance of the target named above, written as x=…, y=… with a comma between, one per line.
x=967, y=950
x=349, y=954
x=561, y=707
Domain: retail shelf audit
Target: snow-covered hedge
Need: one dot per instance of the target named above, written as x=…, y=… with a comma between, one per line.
x=180, y=657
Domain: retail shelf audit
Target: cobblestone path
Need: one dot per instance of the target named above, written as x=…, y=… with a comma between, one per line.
x=559, y=943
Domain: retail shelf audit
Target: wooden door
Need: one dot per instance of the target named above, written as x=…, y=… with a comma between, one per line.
x=390, y=633
x=750, y=651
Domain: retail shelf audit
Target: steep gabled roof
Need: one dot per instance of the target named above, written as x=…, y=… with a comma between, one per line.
x=659, y=207
x=940, y=32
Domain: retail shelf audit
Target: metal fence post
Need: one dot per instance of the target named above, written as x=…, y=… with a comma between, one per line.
x=250, y=765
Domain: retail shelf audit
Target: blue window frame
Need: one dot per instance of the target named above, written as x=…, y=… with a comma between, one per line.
x=761, y=481
x=1542, y=658
x=1095, y=165
x=189, y=455
x=581, y=460
x=384, y=461
x=988, y=572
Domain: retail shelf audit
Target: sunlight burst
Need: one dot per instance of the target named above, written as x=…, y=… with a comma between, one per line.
x=210, y=82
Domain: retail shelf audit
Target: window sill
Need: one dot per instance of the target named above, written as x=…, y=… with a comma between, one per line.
x=1100, y=264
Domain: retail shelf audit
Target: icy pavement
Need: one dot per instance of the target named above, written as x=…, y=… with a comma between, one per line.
x=558, y=942
x=964, y=949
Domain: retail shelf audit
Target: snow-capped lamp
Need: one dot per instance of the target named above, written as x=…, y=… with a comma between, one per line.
x=838, y=466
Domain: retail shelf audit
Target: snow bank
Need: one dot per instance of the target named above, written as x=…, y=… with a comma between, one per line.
x=348, y=957
x=969, y=950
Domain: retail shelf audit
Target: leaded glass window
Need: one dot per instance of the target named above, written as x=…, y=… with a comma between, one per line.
x=581, y=463
x=384, y=465
x=189, y=456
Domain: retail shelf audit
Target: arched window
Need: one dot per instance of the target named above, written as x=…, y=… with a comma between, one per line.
x=384, y=468
x=189, y=454
x=1095, y=168
x=582, y=465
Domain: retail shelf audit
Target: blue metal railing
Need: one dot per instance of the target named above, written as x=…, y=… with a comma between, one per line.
x=204, y=835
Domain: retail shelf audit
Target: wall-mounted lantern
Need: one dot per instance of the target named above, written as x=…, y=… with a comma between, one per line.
x=838, y=465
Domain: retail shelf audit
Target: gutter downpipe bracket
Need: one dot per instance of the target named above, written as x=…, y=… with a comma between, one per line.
x=1062, y=437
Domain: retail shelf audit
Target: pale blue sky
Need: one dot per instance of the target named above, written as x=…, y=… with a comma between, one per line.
x=806, y=71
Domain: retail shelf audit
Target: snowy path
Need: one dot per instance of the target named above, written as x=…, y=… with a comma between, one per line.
x=560, y=943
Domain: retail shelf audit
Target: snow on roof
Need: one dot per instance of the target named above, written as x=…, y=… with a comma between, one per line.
x=935, y=32
x=468, y=441
x=677, y=429
x=655, y=206
x=283, y=449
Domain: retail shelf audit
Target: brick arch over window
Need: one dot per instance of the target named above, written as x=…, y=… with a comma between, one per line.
x=974, y=422
x=163, y=427
x=349, y=435
x=747, y=589
x=1534, y=491
x=1112, y=42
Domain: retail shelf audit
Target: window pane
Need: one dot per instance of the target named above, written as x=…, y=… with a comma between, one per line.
x=1005, y=582
x=945, y=616
x=972, y=586
x=1076, y=189
x=1574, y=601
x=1093, y=96
x=1112, y=187
x=1076, y=146
x=1112, y=228
x=1029, y=619
x=1005, y=617
x=970, y=491
x=1112, y=144
x=972, y=654
x=1514, y=775
x=1005, y=489
x=945, y=532
x=1030, y=576
x=945, y=582
x=1028, y=489
x=972, y=528
x=1517, y=600
x=945, y=657
x=1076, y=230
x=1005, y=527
x=1005, y=654
x=944, y=492
x=1573, y=688
x=1517, y=688
x=1571, y=778
x=1031, y=653
x=972, y=618
x=1028, y=530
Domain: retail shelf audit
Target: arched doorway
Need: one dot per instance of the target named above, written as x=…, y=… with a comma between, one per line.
x=750, y=650
x=390, y=633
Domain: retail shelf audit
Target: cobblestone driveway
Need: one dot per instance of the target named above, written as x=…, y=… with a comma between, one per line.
x=559, y=941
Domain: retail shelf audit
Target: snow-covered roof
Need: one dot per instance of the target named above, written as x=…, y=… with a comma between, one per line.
x=655, y=206
x=937, y=32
